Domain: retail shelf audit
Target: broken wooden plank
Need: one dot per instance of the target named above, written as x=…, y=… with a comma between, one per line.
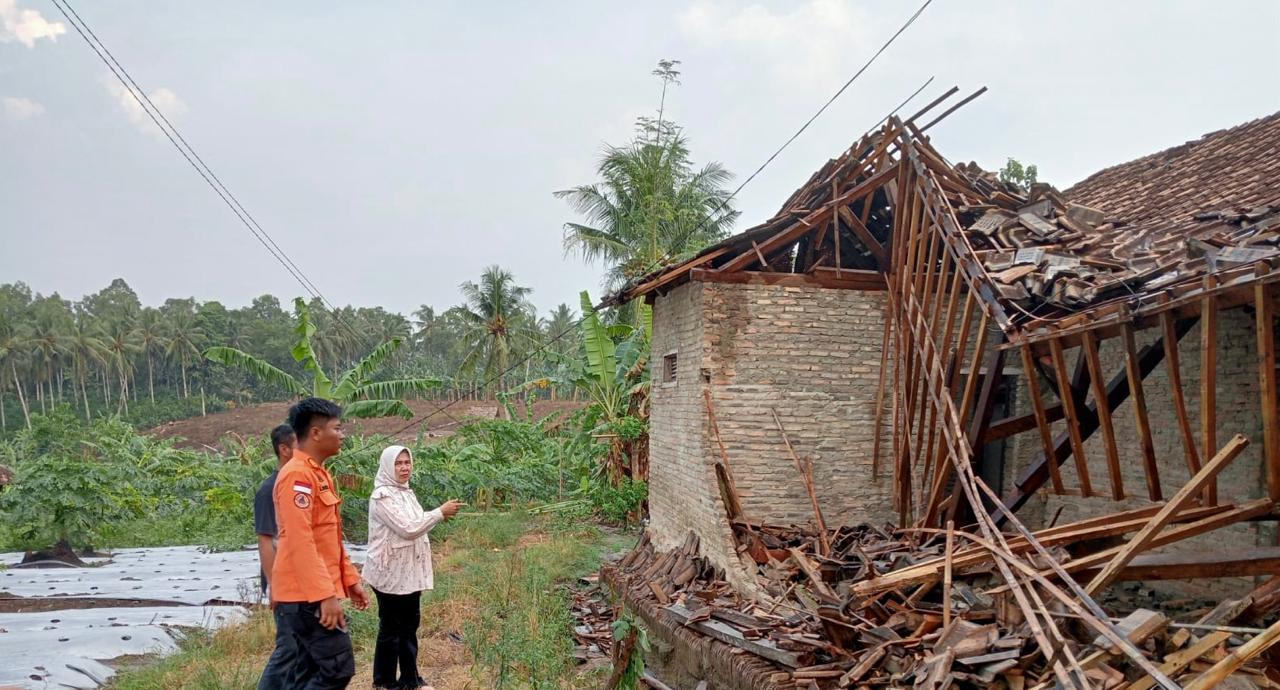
x=1241, y=562
x=730, y=635
x=1140, y=540
x=807, y=478
x=1176, y=662
x=1236, y=658
x=946, y=574
x=1136, y=627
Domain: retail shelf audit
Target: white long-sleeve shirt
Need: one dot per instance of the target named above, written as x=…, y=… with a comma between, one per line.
x=399, y=558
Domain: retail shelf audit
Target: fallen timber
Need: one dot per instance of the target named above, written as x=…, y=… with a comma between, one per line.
x=873, y=606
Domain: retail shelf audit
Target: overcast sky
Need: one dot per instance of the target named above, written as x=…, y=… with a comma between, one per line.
x=395, y=149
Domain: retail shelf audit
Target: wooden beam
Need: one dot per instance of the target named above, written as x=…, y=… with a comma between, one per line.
x=1216, y=519
x=1139, y=403
x=1157, y=523
x=1042, y=421
x=1175, y=385
x=1191, y=565
x=864, y=236
x=1265, y=312
x=1176, y=662
x=676, y=273
x=1069, y=407
x=1014, y=425
x=806, y=224
x=730, y=635
x=1209, y=382
x=823, y=277
x=1090, y=351
x=1117, y=390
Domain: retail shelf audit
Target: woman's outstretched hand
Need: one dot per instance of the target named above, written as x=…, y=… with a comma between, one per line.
x=451, y=508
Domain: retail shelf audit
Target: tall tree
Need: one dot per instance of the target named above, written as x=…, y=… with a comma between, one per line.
x=183, y=338
x=497, y=322
x=87, y=349
x=652, y=205
x=151, y=329
x=121, y=339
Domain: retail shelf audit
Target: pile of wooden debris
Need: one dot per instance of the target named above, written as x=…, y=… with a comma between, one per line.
x=865, y=607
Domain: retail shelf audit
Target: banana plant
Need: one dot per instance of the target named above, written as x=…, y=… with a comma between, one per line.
x=354, y=390
x=611, y=370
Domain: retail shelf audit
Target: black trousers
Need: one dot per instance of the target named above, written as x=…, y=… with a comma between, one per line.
x=287, y=664
x=397, y=646
x=325, y=659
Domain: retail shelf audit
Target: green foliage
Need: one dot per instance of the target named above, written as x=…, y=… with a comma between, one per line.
x=103, y=484
x=624, y=626
x=651, y=206
x=1016, y=173
x=521, y=630
x=619, y=503
x=360, y=396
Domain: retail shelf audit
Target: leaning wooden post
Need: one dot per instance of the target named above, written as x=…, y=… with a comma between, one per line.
x=1264, y=308
x=807, y=478
x=1209, y=381
x=946, y=575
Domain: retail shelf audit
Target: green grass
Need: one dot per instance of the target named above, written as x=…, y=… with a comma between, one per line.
x=502, y=583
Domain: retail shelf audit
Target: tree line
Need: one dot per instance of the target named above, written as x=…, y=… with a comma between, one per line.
x=106, y=353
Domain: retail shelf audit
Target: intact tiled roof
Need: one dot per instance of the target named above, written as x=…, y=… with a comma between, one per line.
x=1236, y=169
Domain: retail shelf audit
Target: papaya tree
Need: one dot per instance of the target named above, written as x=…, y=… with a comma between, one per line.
x=355, y=389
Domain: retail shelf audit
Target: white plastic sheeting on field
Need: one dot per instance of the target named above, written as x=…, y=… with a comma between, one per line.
x=65, y=648
x=61, y=648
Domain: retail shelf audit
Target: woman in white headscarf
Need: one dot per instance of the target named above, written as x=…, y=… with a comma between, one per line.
x=398, y=566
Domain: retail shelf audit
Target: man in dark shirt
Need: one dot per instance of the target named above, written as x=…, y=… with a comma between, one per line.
x=277, y=673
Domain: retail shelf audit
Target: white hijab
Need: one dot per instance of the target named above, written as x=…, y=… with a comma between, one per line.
x=385, y=483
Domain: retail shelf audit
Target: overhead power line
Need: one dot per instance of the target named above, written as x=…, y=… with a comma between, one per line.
x=264, y=238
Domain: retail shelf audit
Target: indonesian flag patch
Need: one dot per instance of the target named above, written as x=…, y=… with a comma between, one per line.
x=302, y=494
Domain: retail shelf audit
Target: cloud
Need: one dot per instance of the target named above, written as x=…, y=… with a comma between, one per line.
x=165, y=100
x=26, y=26
x=18, y=108
x=813, y=41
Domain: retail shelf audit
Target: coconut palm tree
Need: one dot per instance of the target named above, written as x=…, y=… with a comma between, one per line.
x=12, y=348
x=183, y=340
x=46, y=340
x=650, y=208
x=86, y=347
x=121, y=340
x=497, y=322
x=151, y=328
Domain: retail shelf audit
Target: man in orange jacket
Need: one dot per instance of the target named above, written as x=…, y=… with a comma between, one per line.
x=312, y=574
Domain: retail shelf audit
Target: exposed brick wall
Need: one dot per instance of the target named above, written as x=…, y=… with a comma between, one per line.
x=812, y=354
x=683, y=495
x=1238, y=411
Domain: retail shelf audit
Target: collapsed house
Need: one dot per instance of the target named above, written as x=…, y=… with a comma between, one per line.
x=914, y=367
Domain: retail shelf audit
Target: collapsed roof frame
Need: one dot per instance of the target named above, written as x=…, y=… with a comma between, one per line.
x=892, y=214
